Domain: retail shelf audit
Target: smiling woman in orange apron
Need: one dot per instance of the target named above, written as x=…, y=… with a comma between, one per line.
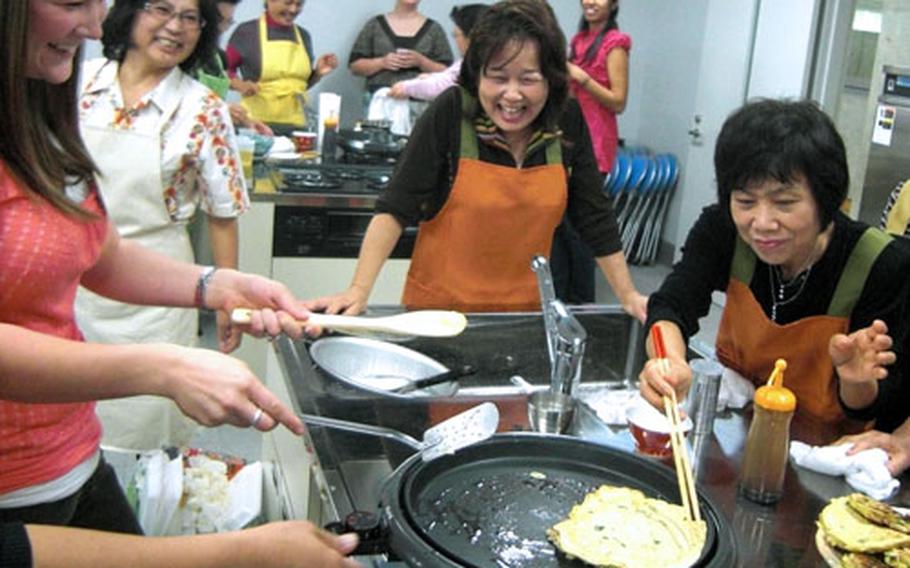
x=270, y=61
x=488, y=172
x=803, y=281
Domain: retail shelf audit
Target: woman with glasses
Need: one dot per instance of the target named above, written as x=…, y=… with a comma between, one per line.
x=271, y=64
x=164, y=146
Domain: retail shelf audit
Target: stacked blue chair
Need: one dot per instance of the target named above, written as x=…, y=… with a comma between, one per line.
x=641, y=185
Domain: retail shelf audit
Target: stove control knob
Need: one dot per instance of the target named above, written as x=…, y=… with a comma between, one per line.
x=364, y=523
x=367, y=525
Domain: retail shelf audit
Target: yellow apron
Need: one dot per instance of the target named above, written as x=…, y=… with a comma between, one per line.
x=899, y=216
x=286, y=69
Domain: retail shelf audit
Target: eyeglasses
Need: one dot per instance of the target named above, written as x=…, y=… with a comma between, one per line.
x=164, y=12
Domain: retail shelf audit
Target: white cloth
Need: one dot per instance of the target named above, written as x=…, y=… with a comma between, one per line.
x=398, y=112
x=611, y=405
x=735, y=391
x=866, y=471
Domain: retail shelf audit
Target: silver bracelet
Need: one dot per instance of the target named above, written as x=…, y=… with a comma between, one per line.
x=202, y=286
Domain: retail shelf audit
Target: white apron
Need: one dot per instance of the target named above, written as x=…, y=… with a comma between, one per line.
x=131, y=185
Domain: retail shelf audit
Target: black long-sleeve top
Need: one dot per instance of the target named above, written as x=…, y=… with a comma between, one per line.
x=15, y=550
x=685, y=296
x=427, y=167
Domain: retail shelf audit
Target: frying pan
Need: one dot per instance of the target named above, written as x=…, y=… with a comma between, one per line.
x=489, y=505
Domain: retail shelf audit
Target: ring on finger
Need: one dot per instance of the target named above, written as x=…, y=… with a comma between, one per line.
x=256, y=416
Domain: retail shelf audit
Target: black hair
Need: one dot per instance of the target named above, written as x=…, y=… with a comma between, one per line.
x=234, y=2
x=466, y=15
x=612, y=24
x=782, y=140
x=117, y=31
x=520, y=21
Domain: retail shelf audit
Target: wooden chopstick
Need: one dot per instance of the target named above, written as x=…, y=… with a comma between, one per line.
x=681, y=461
x=677, y=459
x=686, y=464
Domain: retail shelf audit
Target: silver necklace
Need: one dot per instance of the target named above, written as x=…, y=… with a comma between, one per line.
x=782, y=291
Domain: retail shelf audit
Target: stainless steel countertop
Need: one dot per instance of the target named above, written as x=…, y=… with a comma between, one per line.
x=501, y=345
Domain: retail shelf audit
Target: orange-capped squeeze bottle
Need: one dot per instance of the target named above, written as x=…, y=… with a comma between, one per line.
x=768, y=443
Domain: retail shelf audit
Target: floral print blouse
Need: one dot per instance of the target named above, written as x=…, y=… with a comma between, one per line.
x=200, y=162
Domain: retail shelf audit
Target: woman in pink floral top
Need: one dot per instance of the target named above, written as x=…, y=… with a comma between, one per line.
x=164, y=145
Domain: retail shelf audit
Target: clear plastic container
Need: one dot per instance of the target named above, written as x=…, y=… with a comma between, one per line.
x=768, y=442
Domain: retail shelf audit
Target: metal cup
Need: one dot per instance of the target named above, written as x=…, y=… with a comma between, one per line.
x=702, y=405
x=550, y=412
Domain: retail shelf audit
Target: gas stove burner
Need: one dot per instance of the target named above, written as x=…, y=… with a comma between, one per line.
x=347, y=174
x=367, y=159
x=310, y=180
x=378, y=181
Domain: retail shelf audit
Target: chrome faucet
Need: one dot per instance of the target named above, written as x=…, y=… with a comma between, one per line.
x=566, y=337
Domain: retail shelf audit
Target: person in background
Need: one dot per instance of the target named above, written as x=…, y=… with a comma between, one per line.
x=290, y=544
x=213, y=72
x=487, y=173
x=599, y=67
x=398, y=46
x=164, y=145
x=803, y=281
x=54, y=235
x=428, y=86
x=270, y=62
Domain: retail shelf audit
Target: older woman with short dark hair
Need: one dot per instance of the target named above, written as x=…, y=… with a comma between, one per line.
x=803, y=281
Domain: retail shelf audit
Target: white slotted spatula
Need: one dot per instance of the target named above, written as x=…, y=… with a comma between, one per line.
x=460, y=431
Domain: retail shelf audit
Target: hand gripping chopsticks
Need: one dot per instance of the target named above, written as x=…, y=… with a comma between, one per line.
x=677, y=439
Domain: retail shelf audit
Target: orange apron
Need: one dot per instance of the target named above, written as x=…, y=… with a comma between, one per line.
x=749, y=342
x=475, y=254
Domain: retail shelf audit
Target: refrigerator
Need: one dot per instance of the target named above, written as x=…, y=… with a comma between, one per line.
x=889, y=148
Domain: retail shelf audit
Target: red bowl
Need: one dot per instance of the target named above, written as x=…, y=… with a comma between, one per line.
x=651, y=429
x=304, y=141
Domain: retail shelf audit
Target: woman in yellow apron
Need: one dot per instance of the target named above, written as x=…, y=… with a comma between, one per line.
x=271, y=64
x=802, y=280
x=487, y=173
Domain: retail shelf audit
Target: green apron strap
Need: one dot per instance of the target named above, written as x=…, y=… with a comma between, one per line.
x=554, y=152
x=468, y=146
x=853, y=279
x=743, y=265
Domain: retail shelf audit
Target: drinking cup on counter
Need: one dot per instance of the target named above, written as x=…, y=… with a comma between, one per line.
x=651, y=429
x=247, y=148
x=550, y=412
x=304, y=141
x=702, y=399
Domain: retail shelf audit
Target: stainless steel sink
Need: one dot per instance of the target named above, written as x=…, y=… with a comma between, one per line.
x=497, y=345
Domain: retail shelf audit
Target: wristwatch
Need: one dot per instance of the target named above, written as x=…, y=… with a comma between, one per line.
x=202, y=285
